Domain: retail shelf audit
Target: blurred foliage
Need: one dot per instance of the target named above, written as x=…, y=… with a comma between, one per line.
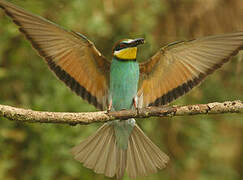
x=200, y=147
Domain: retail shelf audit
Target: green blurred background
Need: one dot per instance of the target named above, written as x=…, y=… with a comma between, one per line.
x=200, y=147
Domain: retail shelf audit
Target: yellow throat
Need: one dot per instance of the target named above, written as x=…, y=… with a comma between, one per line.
x=127, y=53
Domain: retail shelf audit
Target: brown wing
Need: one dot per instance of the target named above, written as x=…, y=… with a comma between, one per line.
x=72, y=57
x=178, y=67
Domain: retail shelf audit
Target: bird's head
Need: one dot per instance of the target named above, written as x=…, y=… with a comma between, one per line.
x=126, y=49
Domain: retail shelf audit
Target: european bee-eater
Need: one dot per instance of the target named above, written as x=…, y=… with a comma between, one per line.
x=123, y=83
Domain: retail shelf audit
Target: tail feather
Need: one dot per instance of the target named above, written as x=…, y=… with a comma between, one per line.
x=83, y=146
x=101, y=153
x=110, y=168
x=146, y=164
x=144, y=157
x=121, y=163
x=98, y=151
x=131, y=162
x=159, y=158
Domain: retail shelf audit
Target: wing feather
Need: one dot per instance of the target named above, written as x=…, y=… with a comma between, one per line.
x=72, y=57
x=178, y=67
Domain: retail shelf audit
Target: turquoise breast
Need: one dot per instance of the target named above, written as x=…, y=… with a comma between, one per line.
x=124, y=76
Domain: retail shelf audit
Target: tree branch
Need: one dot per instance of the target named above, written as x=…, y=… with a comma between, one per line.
x=24, y=115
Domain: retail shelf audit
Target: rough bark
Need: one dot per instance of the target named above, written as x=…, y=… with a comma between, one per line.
x=24, y=115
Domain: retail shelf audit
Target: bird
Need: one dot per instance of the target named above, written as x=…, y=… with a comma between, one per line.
x=121, y=146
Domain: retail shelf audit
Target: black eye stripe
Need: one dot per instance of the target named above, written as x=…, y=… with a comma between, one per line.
x=124, y=45
x=131, y=43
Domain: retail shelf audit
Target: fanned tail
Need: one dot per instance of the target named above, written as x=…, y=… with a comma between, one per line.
x=100, y=153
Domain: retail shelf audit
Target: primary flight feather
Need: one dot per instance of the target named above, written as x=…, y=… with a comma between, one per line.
x=123, y=83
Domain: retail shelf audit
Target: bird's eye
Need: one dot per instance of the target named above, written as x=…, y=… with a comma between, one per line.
x=122, y=46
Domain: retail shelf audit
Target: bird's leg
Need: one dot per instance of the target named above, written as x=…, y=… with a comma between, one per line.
x=135, y=104
x=109, y=106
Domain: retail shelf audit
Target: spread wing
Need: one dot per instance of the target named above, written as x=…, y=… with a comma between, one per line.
x=178, y=67
x=72, y=57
